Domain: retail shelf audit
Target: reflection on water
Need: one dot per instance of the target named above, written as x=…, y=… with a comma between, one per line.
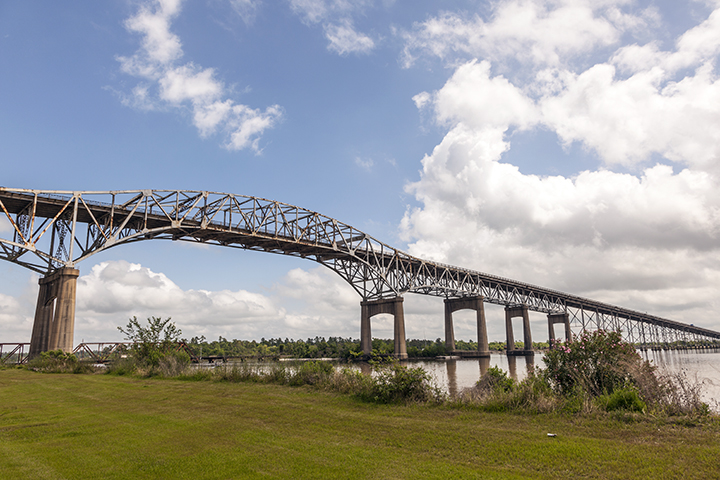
x=701, y=367
x=455, y=375
x=484, y=365
x=452, y=376
x=697, y=366
x=512, y=366
x=451, y=368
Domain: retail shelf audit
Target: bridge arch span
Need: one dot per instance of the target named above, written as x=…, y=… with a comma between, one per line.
x=54, y=230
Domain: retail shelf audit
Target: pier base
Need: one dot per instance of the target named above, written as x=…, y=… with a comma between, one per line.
x=55, y=313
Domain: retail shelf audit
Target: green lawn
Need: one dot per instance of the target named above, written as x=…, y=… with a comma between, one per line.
x=100, y=426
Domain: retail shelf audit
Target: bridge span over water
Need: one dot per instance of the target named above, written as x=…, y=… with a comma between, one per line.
x=53, y=231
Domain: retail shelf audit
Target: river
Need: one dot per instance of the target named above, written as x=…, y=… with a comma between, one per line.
x=697, y=366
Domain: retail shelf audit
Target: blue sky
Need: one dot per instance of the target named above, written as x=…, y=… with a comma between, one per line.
x=571, y=144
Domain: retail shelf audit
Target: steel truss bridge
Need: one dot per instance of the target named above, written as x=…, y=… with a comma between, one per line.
x=47, y=231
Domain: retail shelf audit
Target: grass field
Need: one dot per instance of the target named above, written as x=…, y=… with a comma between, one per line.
x=100, y=426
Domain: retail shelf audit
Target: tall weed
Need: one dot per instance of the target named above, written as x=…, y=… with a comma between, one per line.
x=310, y=373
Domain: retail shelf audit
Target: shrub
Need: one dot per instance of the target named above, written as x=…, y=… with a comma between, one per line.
x=153, y=342
x=277, y=374
x=600, y=365
x=122, y=366
x=57, y=361
x=396, y=383
x=625, y=398
x=173, y=363
x=350, y=381
x=494, y=379
x=597, y=362
x=496, y=392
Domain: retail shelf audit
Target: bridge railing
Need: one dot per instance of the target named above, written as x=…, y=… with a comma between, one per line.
x=14, y=353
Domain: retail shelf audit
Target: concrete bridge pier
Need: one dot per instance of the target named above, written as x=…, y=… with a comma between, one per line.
x=554, y=318
x=470, y=303
x=55, y=313
x=392, y=306
x=510, y=313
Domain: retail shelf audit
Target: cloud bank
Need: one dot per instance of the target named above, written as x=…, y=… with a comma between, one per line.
x=302, y=304
x=642, y=230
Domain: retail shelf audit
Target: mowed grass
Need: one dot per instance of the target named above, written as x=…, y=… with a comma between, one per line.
x=99, y=426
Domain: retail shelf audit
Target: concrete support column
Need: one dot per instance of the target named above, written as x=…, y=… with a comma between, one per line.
x=510, y=313
x=563, y=318
x=449, y=328
x=55, y=313
x=365, y=331
x=400, y=340
x=392, y=306
x=482, y=336
x=470, y=303
x=510, y=338
x=527, y=333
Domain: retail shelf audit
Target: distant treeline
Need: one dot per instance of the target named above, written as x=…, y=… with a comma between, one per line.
x=333, y=347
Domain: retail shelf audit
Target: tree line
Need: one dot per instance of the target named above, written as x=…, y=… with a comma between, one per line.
x=332, y=347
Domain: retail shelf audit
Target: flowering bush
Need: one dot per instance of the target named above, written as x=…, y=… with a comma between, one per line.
x=597, y=363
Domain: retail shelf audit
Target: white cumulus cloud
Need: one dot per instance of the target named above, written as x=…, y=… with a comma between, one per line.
x=166, y=83
x=627, y=120
x=537, y=31
x=642, y=230
x=114, y=291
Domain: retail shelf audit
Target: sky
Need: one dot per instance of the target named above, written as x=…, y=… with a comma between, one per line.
x=569, y=144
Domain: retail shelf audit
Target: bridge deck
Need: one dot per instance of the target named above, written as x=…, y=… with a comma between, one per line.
x=372, y=268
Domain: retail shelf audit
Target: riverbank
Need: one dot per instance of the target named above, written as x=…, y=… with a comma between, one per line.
x=101, y=426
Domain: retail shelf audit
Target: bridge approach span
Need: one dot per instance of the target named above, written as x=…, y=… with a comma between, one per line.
x=54, y=230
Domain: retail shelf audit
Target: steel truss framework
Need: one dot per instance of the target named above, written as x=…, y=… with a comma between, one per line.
x=14, y=353
x=54, y=229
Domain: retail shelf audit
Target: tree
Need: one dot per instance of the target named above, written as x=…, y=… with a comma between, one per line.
x=154, y=341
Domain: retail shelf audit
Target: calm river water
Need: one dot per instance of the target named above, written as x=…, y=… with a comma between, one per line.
x=698, y=366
